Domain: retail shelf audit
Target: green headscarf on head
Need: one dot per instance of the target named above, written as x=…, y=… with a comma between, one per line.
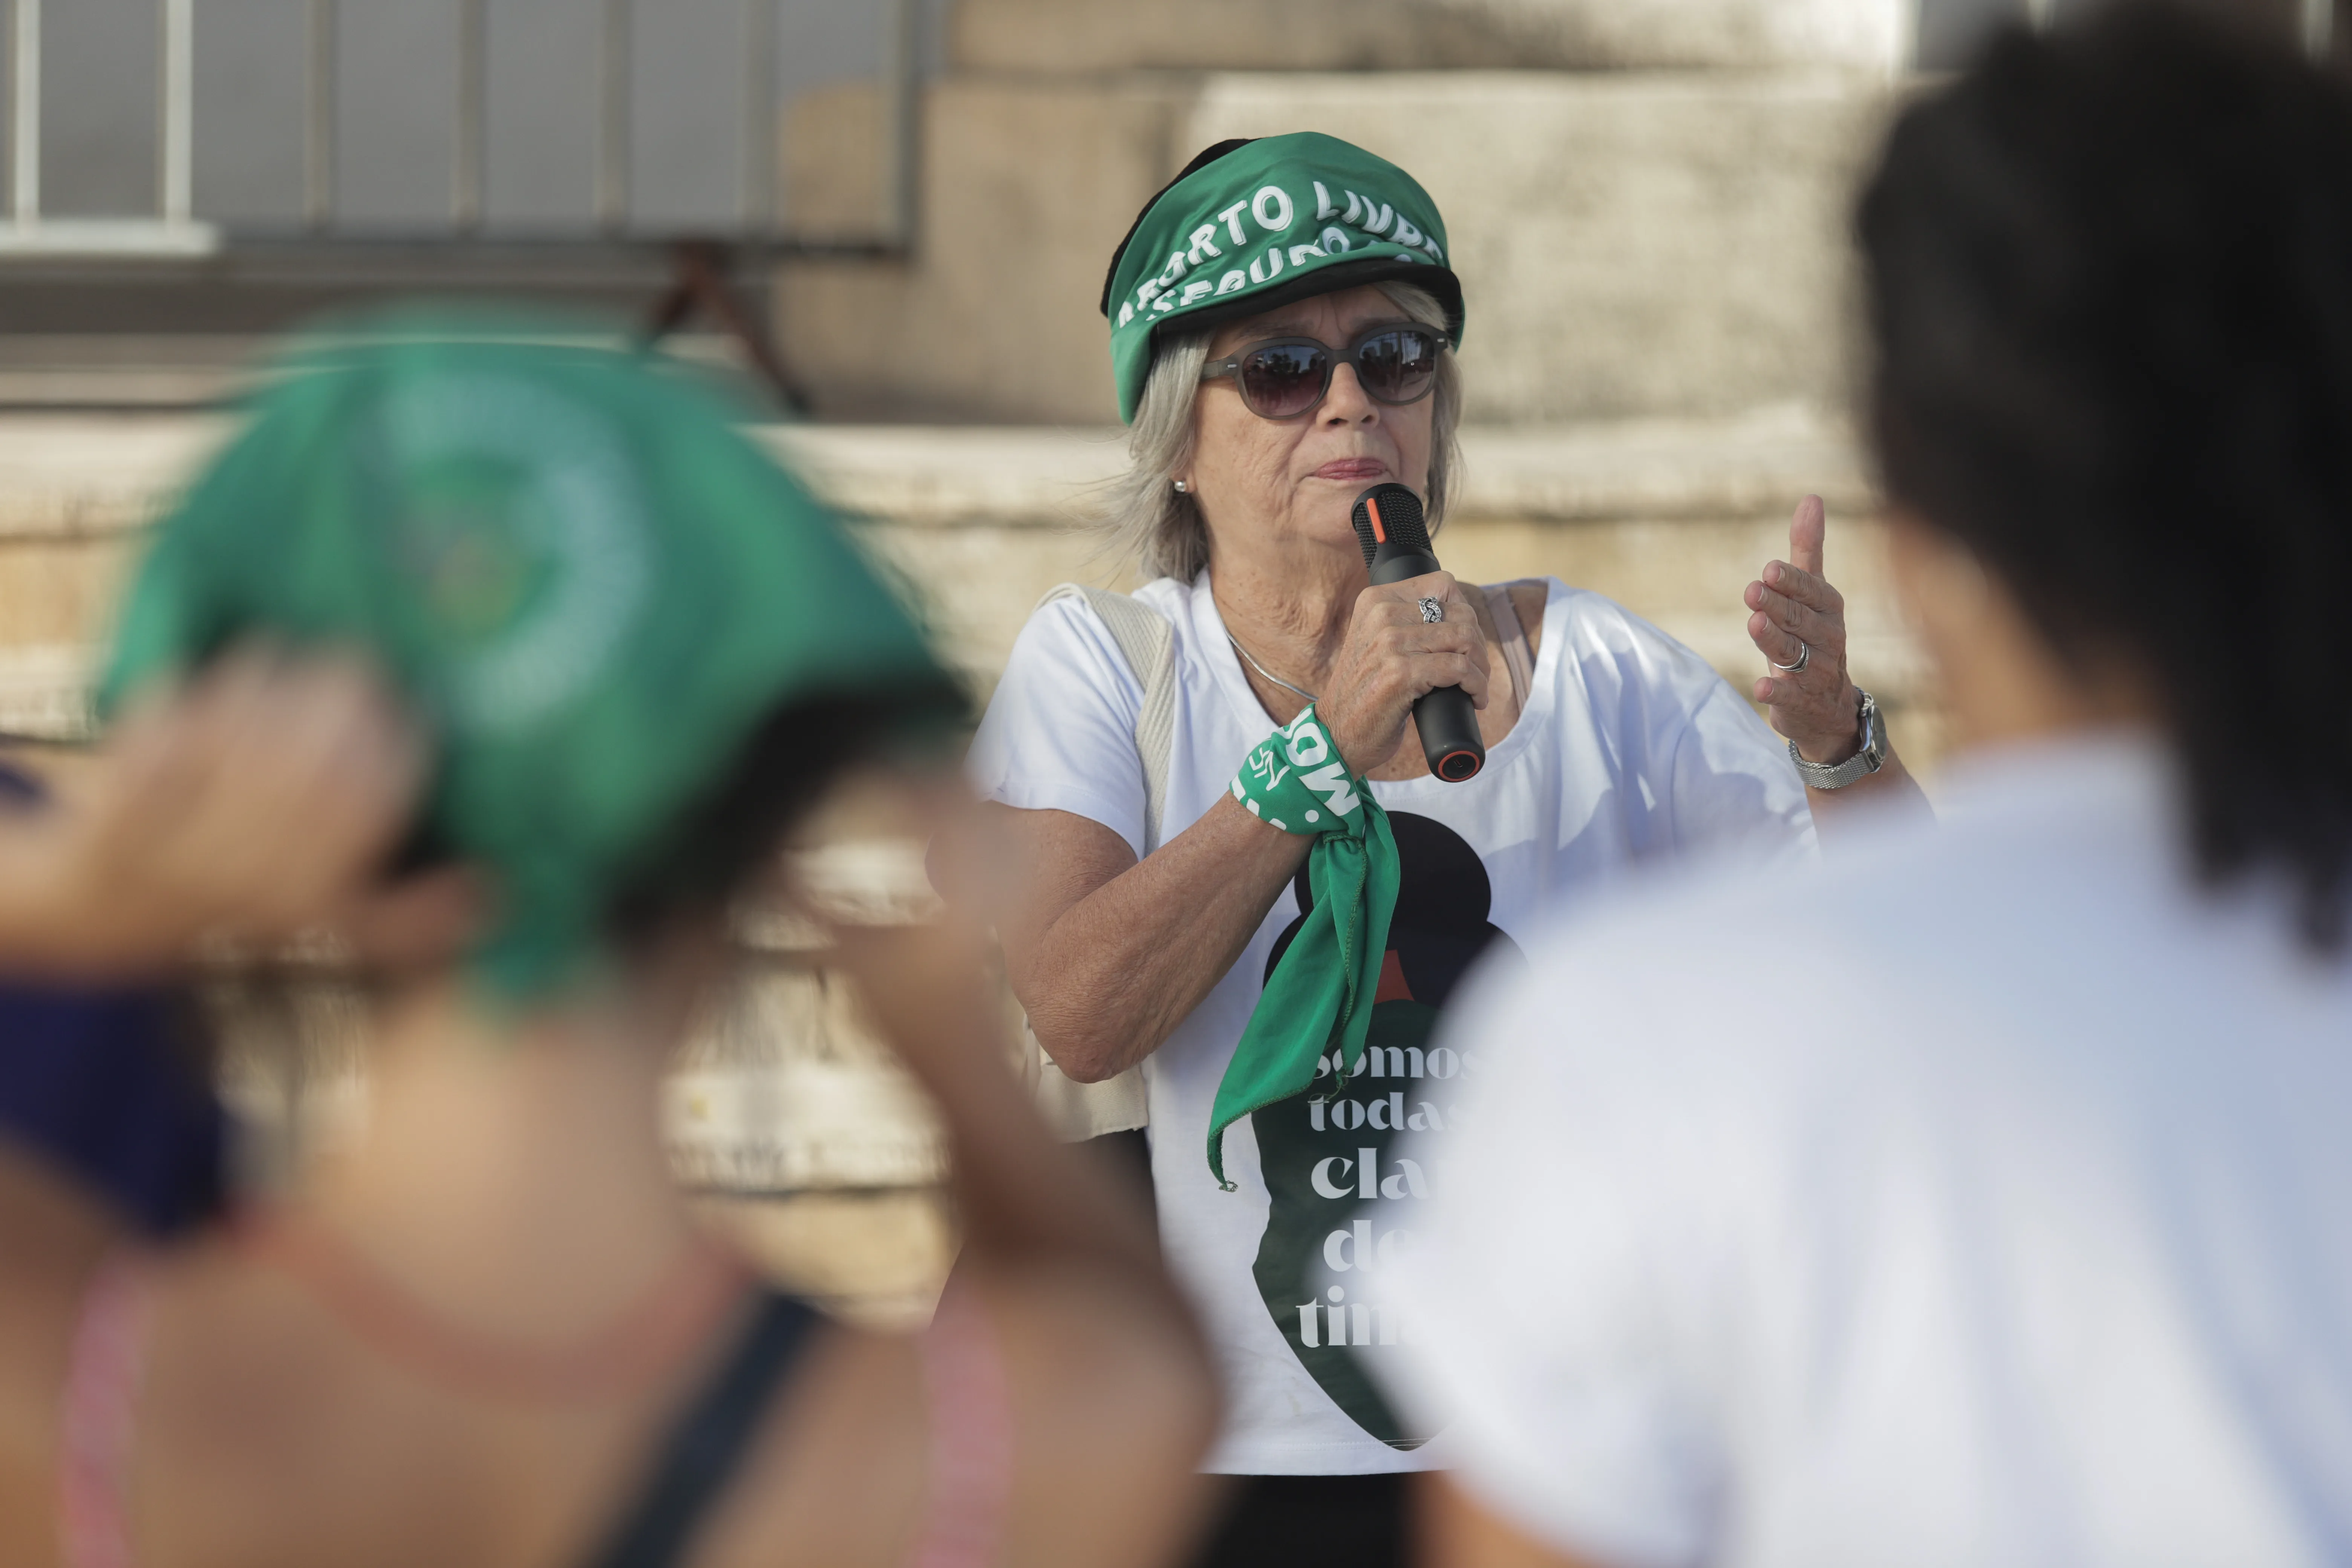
x=1250, y=225
x=592, y=587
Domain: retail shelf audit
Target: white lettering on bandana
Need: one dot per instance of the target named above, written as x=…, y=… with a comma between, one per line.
x=580, y=518
x=1276, y=211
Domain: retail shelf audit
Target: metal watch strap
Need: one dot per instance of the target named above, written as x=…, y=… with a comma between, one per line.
x=1864, y=763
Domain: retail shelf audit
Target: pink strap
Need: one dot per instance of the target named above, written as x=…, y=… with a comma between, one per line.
x=108, y=1362
x=971, y=1437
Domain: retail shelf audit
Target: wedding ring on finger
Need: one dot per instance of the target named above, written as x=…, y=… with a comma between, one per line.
x=1433, y=610
x=1805, y=658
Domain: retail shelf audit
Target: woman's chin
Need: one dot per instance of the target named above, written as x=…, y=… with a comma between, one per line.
x=1334, y=530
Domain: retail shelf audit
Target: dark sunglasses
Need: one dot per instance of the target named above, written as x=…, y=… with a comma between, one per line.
x=1287, y=378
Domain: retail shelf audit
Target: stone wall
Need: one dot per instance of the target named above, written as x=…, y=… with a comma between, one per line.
x=1646, y=203
x=1669, y=516
x=1069, y=36
x=1631, y=243
x=803, y=1137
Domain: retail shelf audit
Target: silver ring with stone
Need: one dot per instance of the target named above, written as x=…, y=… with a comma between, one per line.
x=1805, y=658
x=1433, y=610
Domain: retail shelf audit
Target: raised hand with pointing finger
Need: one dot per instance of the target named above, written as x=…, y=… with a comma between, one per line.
x=1797, y=620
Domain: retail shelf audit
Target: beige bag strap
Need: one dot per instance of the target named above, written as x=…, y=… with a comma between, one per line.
x=1517, y=658
x=1148, y=643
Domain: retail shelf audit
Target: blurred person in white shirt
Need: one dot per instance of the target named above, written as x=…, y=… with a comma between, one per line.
x=2031, y=1241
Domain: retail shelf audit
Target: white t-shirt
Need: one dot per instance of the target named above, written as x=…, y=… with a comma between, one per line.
x=1982, y=1195
x=1629, y=746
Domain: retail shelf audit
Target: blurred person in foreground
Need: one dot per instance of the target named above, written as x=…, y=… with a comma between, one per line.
x=490, y=1332
x=2031, y=1241
x=1279, y=893
x=263, y=798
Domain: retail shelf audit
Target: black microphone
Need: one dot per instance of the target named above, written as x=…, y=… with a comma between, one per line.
x=1395, y=537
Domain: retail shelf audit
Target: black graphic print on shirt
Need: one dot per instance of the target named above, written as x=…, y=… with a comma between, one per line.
x=1343, y=1205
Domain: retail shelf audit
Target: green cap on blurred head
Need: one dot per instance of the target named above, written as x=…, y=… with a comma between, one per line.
x=592, y=587
x=1250, y=225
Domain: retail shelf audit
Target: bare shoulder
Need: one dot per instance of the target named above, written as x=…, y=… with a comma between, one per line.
x=838, y=1474
x=1113, y=1406
x=1110, y=1410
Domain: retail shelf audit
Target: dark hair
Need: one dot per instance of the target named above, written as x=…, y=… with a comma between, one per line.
x=719, y=845
x=2110, y=284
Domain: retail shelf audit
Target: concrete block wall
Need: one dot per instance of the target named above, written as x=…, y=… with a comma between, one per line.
x=1082, y=36
x=1631, y=244
x=1670, y=517
x=806, y=1143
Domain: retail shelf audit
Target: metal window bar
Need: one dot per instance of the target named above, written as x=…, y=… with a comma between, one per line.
x=24, y=116
x=174, y=230
x=175, y=97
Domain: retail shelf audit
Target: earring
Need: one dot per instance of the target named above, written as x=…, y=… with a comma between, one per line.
x=1183, y=489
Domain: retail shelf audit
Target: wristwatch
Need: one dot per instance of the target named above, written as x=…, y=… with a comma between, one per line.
x=1869, y=760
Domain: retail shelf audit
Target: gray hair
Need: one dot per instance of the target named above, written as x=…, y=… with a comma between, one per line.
x=1146, y=521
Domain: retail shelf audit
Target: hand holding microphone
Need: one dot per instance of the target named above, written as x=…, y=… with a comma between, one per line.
x=1400, y=658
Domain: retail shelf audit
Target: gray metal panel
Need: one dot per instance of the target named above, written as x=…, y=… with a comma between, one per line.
x=434, y=119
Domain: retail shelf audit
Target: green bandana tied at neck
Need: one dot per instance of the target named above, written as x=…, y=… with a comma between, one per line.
x=1319, y=997
x=574, y=567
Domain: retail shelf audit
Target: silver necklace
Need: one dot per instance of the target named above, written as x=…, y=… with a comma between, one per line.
x=1268, y=673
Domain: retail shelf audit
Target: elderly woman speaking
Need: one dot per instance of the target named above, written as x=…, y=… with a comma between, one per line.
x=1238, y=870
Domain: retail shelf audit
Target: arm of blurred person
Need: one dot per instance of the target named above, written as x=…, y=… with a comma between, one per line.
x=1113, y=1398
x=52, y=1234
x=255, y=800
x=1793, y=609
x=1458, y=1531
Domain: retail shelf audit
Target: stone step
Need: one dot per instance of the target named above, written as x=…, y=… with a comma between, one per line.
x=1636, y=244
x=1669, y=517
